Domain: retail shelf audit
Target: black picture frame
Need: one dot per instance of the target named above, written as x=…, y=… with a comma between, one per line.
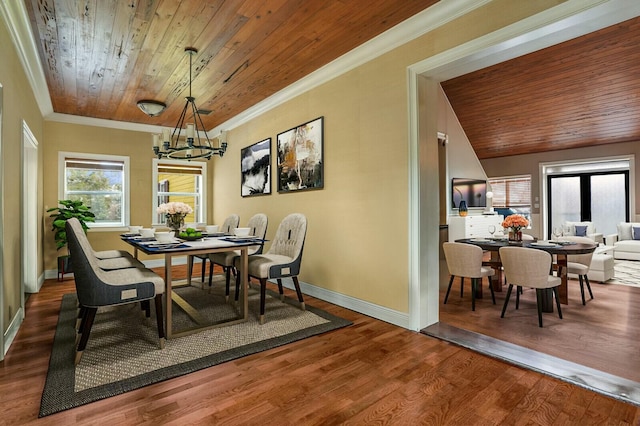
x=255, y=169
x=300, y=153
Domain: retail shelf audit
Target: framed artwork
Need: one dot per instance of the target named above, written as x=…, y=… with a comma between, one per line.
x=255, y=169
x=300, y=157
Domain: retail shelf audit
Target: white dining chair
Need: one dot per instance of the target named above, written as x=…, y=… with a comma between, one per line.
x=528, y=267
x=465, y=261
x=579, y=264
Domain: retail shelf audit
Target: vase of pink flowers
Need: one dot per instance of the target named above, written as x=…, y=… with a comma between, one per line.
x=515, y=223
x=175, y=212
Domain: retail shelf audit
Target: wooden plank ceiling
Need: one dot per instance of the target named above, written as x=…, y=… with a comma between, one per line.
x=102, y=56
x=579, y=93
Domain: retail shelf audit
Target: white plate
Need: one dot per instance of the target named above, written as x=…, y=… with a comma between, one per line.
x=542, y=244
x=248, y=237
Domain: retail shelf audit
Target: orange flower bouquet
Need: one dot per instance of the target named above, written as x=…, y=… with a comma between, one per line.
x=516, y=222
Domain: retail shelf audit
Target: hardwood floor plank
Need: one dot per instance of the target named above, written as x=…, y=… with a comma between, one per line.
x=370, y=372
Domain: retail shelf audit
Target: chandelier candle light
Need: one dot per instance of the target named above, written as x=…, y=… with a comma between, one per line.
x=175, y=212
x=192, y=145
x=515, y=223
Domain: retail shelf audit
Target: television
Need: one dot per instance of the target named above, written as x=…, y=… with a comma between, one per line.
x=473, y=191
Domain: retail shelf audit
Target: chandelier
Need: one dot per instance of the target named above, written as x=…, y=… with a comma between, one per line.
x=192, y=145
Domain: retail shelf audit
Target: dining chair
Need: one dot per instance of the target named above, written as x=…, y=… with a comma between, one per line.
x=527, y=267
x=97, y=288
x=230, y=223
x=258, y=228
x=465, y=261
x=579, y=264
x=282, y=260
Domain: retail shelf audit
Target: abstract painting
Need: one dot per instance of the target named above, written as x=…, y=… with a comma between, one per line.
x=300, y=152
x=255, y=166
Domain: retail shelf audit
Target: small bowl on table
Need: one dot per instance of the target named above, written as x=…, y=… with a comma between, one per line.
x=195, y=235
x=241, y=232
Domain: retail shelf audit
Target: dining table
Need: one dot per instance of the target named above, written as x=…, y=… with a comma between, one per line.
x=561, y=250
x=205, y=245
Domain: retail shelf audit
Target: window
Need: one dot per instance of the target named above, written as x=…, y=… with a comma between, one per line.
x=512, y=195
x=183, y=181
x=101, y=182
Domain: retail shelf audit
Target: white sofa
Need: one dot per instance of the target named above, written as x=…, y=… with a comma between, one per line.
x=569, y=229
x=624, y=244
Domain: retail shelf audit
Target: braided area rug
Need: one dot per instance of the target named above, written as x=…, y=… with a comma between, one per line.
x=123, y=353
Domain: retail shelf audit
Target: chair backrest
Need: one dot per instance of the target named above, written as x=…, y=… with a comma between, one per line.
x=230, y=223
x=289, y=239
x=92, y=286
x=583, y=259
x=258, y=224
x=463, y=260
x=526, y=267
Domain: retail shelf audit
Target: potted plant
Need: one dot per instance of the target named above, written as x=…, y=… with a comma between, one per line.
x=60, y=215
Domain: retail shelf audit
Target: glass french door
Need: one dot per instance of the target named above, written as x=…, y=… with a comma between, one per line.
x=602, y=198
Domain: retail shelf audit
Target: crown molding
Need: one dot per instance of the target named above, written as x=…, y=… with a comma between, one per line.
x=100, y=122
x=16, y=19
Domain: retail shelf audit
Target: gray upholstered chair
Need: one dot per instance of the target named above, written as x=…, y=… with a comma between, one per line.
x=229, y=224
x=579, y=264
x=119, y=259
x=96, y=287
x=282, y=260
x=527, y=267
x=465, y=261
x=258, y=227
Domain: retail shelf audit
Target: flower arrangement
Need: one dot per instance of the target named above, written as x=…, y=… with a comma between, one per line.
x=175, y=213
x=516, y=222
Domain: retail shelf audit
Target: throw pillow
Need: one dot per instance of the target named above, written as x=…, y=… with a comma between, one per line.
x=581, y=231
x=636, y=233
x=624, y=231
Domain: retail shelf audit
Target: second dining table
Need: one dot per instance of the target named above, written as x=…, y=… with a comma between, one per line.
x=561, y=249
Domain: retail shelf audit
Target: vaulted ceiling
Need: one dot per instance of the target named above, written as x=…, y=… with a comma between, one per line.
x=582, y=92
x=102, y=56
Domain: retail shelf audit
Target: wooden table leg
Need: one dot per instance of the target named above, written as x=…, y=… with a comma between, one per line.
x=563, y=292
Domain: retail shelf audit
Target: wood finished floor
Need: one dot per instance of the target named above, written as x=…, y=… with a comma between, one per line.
x=369, y=373
x=603, y=334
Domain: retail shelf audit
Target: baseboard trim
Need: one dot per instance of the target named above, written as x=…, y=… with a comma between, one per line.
x=401, y=319
x=12, y=331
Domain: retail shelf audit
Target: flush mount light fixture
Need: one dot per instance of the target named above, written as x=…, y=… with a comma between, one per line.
x=192, y=145
x=151, y=108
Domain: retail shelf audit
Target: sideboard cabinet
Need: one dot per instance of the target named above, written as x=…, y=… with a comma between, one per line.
x=473, y=226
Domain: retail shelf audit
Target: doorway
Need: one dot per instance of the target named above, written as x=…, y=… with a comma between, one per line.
x=30, y=282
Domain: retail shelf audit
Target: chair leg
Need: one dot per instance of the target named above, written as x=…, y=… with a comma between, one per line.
x=87, y=323
x=280, y=289
x=81, y=312
x=556, y=294
x=237, y=287
x=160, y=320
x=299, y=293
x=473, y=293
x=263, y=295
x=518, y=293
x=586, y=280
x=146, y=307
x=227, y=275
x=493, y=295
x=210, y=273
x=461, y=286
x=581, y=289
x=506, y=300
x=446, y=296
x=539, y=303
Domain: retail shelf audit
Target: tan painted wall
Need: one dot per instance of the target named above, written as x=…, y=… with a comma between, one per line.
x=358, y=224
x=18, y=104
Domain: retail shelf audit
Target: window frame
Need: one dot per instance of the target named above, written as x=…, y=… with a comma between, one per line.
x=62, y=184
x=492, y=181
x=154, y=182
